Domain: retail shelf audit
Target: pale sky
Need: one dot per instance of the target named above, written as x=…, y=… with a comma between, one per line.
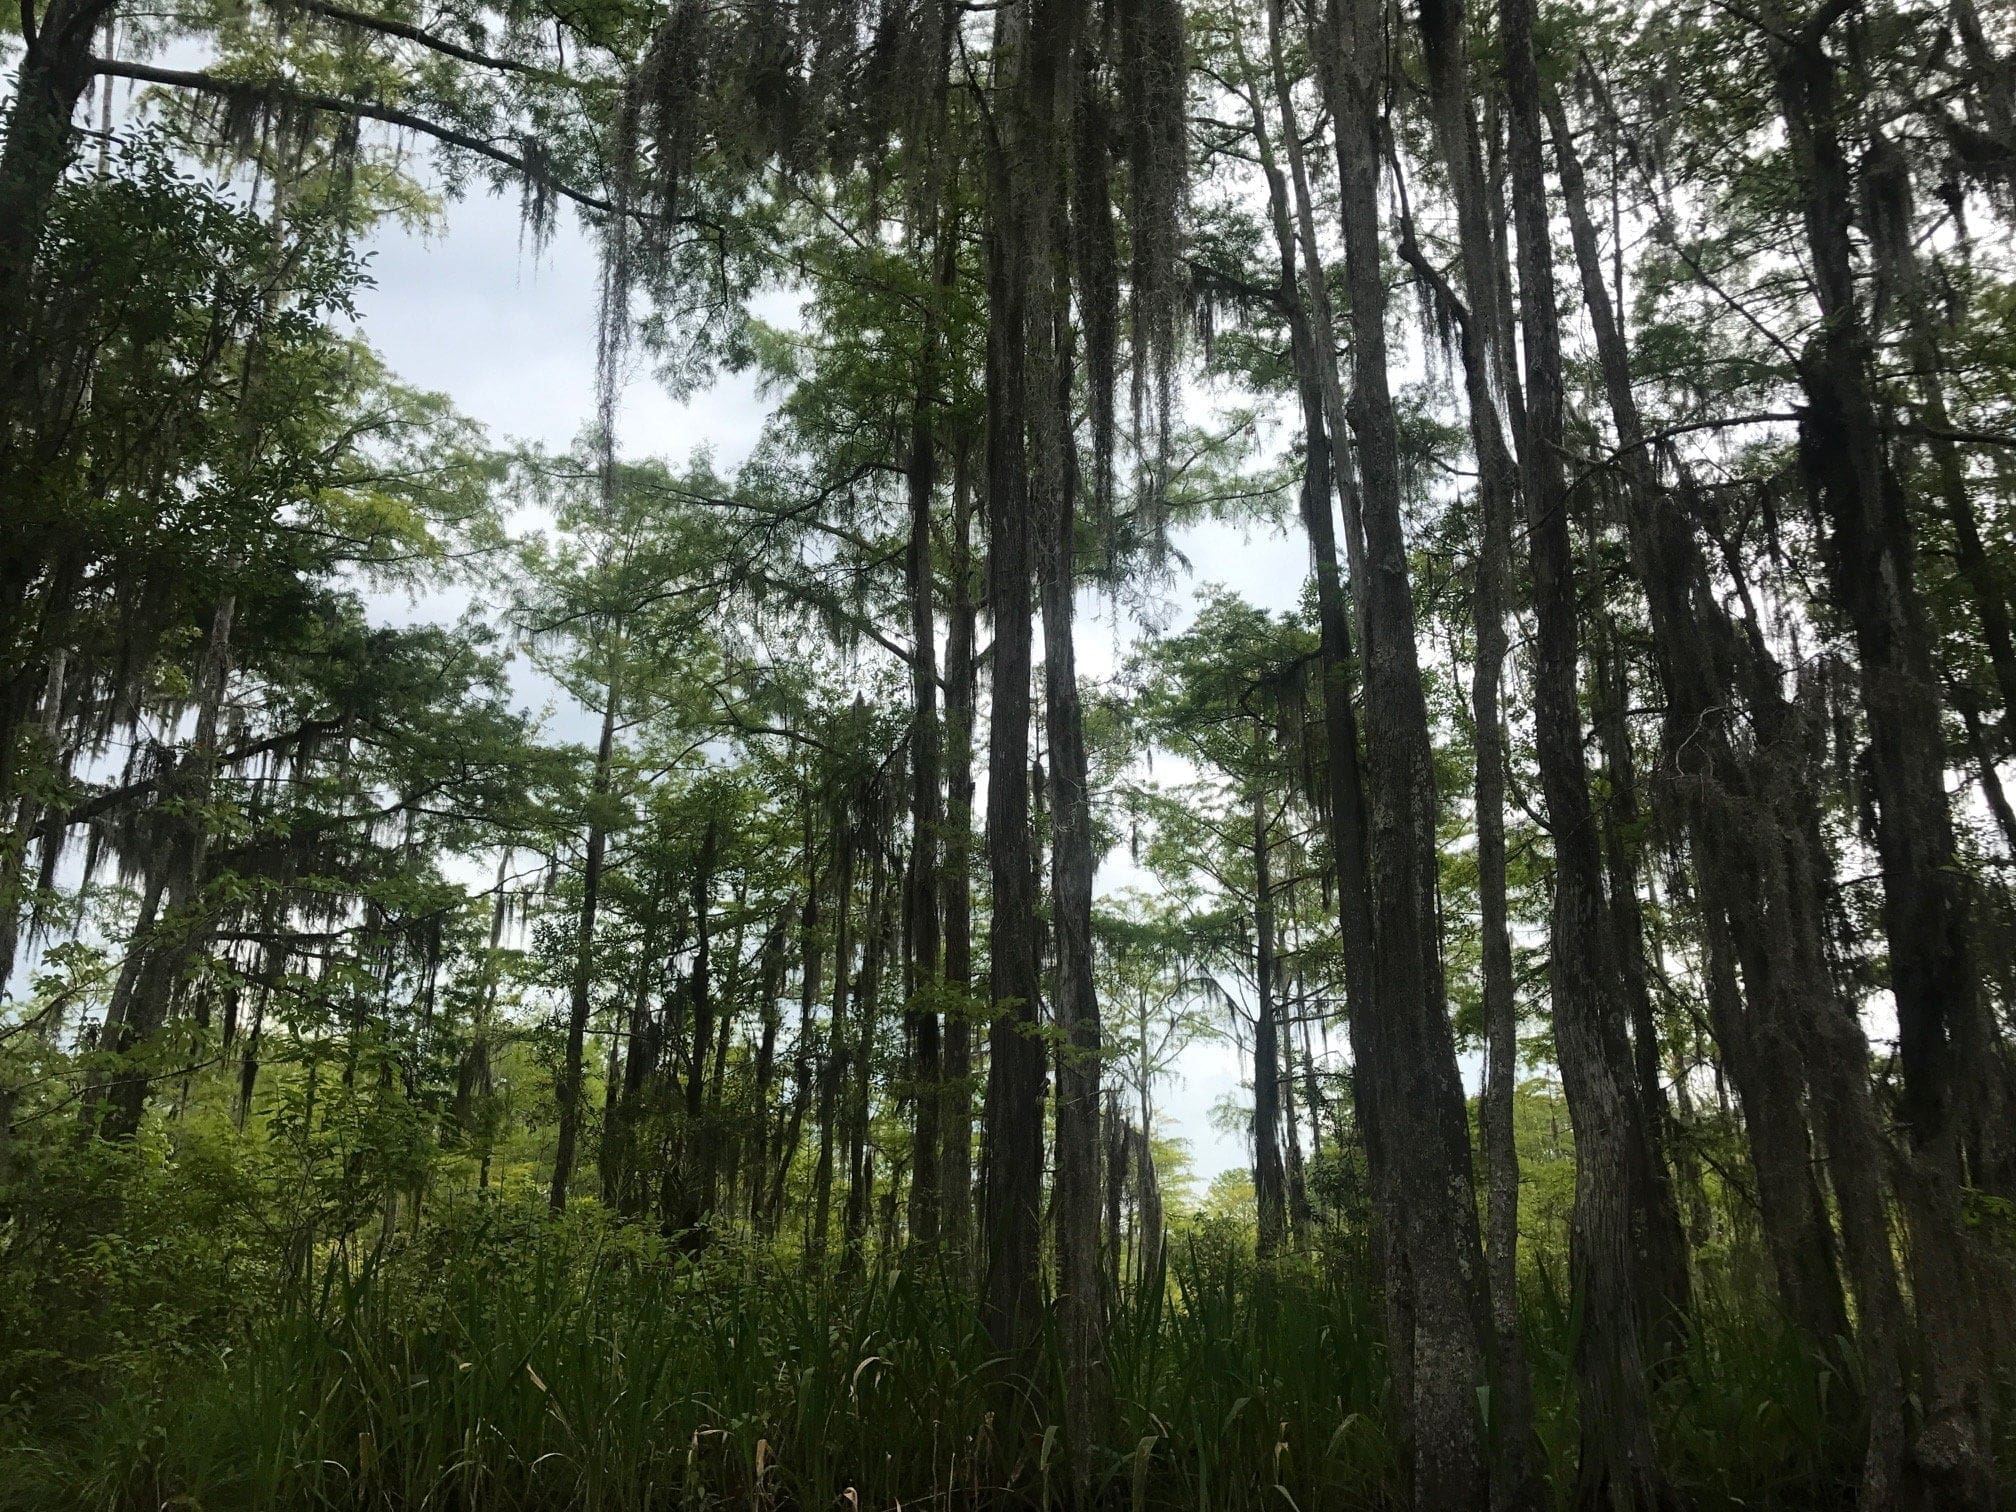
x=508, y=333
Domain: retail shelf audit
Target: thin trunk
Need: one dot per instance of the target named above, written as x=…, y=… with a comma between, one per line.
x=1301, y=1217
x=1324, y=463
x=1038, y=54
x=164, y=944
x=832, y=1069
x=723, y=1134
x=955, y=1184
x=567, y=1089
x=1269, y=1179
x=616, y=1153
x=861, y=1060
x=272, y=962
x=1415, y=1123
x=1665, y=1246
x=1114, y=1132
x=1870, y=560
x=771, y=979
x=1149, y=1247
x=833, y=1065
x=924, y=884
x=699, y=1133
x=1700, y=654
x=1075, y=1200
x=1325, y=460
x=813, y=955
x=1485, y=345
x=1986, y=590
x=1618, y=1466
x=1513, y=1482
x=1836, y=1053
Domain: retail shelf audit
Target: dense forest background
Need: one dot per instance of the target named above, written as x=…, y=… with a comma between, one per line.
x=552, y=976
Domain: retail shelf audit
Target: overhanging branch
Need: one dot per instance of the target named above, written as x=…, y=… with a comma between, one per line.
x=386, y=26
x=280, y=92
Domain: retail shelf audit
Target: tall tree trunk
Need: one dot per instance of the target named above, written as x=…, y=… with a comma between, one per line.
x=1324, y=463
x=833, y=1064
x=1037, y=55
x=1986, y=587
x=1312, y=330
x=861, y=1060
x=1114, y=1132
x=1613, y=1183
x=1301, y=1216
x=1075, y=1202
x=1836, y=1053
x=812, y=948
x=955, y=1182
x=617, y=1152
x=1269, y=1179
x=925, y=888
x=567, y=1089
x=1485, y=359
x=1870, y=561
x=1667, y=1280
x=39, y=147
x=771, y=979
x=1404, y=1052
x=1700, y=653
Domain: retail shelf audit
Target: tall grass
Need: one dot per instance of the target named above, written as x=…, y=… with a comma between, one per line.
x=503, y=1361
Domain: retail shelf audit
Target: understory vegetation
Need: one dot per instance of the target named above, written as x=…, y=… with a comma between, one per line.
x=1320, y=820
x=488, y=1355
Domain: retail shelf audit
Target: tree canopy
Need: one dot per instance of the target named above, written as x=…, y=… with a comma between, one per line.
x=751, y=1076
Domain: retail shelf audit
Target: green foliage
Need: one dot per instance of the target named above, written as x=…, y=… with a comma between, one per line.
x=492, y=1356
x=313, y=1270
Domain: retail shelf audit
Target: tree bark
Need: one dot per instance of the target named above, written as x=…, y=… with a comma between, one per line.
x=1269, y=1178
x=1613, y=1198
x=812, y=955
x=616, y=1152
x=1485, y=349
x=1075, y=1199
x=1325, y=460
x=771, y=978
x=861, y=1060
x=955, y=1183
x=1037, y=54
x=164, y=940
x=40, y=144
x=567, y=1089
x=833, y=1064
x=1870, y=552
x=1669, y=1286
x=1700, y=654
x=1404, y=1053
x=924, y=883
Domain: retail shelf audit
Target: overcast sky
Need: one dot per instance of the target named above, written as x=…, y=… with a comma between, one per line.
x=508, y=332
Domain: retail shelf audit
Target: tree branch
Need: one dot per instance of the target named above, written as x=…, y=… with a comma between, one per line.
x=90, y=808
x=279, y=90
x=386, y=26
